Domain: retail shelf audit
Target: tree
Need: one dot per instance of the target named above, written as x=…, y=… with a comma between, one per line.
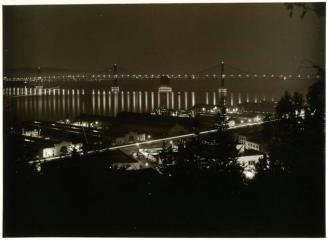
x=215, y=152
x=284, y=107
x=63, y=150
x=317, y=8
x=290, y=107
x=296, y=139
x=316, y=97
x=284, y=135
x=166, y=154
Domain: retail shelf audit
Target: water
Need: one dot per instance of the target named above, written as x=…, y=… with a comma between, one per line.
x=55, y=104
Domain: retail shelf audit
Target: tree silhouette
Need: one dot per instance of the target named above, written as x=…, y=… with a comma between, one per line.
x=63, y=150
x=216, y=152
x=317, y=8
x=297, y=138
x=166, y=154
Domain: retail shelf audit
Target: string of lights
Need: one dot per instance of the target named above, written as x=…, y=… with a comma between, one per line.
x=124, y=73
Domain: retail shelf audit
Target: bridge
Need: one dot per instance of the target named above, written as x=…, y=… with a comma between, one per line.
x=116, y=73
x=124, y=100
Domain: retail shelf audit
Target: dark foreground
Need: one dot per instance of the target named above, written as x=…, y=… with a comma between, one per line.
x=83, y=197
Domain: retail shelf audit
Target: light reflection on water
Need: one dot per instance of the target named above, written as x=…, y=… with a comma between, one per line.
x=55, y=104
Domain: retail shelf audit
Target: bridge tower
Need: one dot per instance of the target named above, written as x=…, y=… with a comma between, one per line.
x=115, y=87
x=222, y=91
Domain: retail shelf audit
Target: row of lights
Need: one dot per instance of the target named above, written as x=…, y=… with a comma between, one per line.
x=168, y=75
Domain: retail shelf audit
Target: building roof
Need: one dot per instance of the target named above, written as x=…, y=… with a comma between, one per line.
x=249, y=152
x=120, y=157
x=41, y=142
x=148, y=123
x=260, y=107
x=252, y=133
x=92, y=117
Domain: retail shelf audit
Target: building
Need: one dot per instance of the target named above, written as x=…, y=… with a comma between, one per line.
x=251, y=138
x=60, y=148
x=53, y=149
x=154, y=125
x=93, y=121
x=248, y=160
x=126, y=164
x=35, y=133
x=120, y=160
x=126, y=137
x=249, y=145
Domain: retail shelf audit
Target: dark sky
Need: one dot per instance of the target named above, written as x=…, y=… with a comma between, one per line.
x=160, y=38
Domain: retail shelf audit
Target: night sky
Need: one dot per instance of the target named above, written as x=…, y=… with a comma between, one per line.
x=171, y=38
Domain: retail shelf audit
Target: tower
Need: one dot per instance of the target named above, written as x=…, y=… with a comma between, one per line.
x=115, y=87
x=222, y=91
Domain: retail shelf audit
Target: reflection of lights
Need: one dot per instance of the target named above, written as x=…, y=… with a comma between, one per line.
x=146, y=164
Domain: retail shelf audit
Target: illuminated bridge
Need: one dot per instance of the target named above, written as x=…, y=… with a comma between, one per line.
x=121, y=73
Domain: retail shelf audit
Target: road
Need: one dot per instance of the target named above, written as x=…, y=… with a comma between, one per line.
x=177, y=137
